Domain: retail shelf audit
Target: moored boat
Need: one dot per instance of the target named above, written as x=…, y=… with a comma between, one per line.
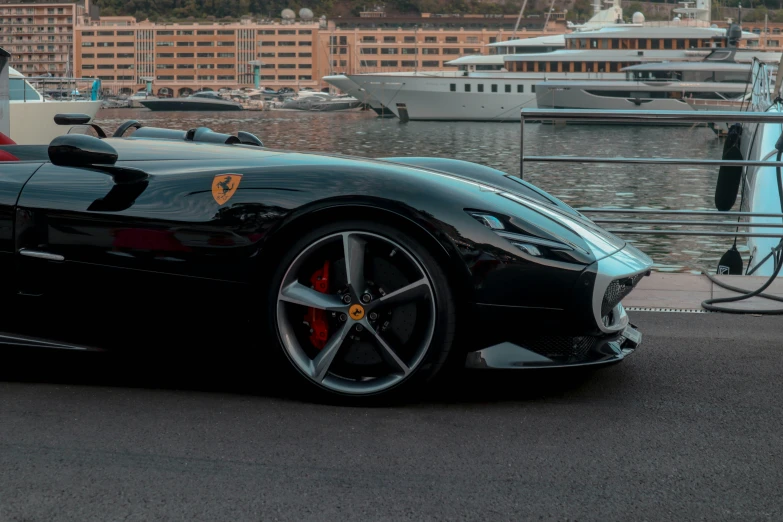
x=200, y=101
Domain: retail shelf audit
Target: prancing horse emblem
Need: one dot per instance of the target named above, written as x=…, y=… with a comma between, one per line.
x=224, y=186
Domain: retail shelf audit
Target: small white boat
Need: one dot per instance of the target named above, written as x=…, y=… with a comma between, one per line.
x=32, y=116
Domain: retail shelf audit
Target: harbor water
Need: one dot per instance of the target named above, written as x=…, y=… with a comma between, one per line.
x=496, y=145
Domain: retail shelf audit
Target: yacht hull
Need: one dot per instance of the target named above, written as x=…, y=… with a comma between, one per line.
x=343, y=83
x=761, y=191
x=443, y=97
x=32, y=122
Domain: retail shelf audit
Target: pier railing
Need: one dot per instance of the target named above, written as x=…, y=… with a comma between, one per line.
x=661, y=117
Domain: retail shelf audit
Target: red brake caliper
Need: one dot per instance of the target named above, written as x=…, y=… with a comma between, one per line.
x=316, y=317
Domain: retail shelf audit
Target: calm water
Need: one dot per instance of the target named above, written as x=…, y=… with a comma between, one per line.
x=497, y=145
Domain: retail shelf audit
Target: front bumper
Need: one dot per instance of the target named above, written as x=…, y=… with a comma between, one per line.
x=588, y=351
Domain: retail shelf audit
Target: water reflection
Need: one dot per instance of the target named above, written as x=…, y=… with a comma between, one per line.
x=497, y=145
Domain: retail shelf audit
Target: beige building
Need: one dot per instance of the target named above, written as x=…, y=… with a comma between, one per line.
x=40, y=36
x=183, y=57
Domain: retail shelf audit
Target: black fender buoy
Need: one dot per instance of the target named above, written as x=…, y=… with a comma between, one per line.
x=731, y=262
x=729, y=177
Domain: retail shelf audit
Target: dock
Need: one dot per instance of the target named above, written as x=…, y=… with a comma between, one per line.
x=684, y=292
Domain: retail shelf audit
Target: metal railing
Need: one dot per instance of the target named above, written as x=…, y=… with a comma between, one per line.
x=661, y=117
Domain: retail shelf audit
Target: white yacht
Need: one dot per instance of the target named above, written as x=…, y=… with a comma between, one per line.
x=676, y=86
x=32, y=116
x=596, y=50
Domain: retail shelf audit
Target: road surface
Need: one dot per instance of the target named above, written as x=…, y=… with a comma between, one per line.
x=687, y=428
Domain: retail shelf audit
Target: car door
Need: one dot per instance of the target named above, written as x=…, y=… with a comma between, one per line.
x=148, y=262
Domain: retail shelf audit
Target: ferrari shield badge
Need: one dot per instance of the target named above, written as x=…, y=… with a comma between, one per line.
x=224, y=186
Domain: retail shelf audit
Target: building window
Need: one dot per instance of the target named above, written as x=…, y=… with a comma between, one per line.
x=205, y=55
x=450, y=51
x=494, y=88
x=307, y=43
x=88, y=44
x=206, y=66
x=268, y=31
x=267, y=55
x=88, y=67
x=370, y=63
x=430, y=50
x=105, y=33
x=453, y=87
x=430, y=63
x=409, y=50
x=520, y=88
x=164, y=77
x=368, y=39
x=368, y=50
x=204, y=32
x=187, y=77
x=164, y=66
x=305, y=66
x=305, y=55
x=164, y=33
x=286, y=31
x=268, y=77
x=508, y=88
x=267, y=43
x=532, y=88
x=467, y=87
x=105, y=66
x=287, y=55
x=184, y=55
x=88, y=33
x=225, y=44
x=451, y=39
x=481, y=87
x=389, y=39
x=225, y=66
x=305, y=77
x=287, y=66
x=409, y=63
x=124, y=78
x=225, y=55
x=205, y=44
x=430, y=39
x=305, y=31
x=226, y=77
x=286, y=78
x=184, y=66
x=389, y=50
x=388, y=63
x=124, y=44
x=184, y=33
x=88, y=56
x=409, y=39
x=287, y=44
x=207, y=77
x=164, y=44
x=105, y=55
x=225, y=31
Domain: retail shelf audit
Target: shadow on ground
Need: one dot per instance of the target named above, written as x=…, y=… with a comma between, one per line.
x=246, y=377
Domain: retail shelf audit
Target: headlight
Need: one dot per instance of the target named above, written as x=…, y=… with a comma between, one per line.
x=601, y=242
x=531, y=245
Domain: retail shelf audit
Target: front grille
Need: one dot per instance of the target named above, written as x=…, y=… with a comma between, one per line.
x=560, y=346
x=616, y=292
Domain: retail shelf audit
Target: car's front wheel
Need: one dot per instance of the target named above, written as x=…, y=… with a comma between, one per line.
x=361, y=310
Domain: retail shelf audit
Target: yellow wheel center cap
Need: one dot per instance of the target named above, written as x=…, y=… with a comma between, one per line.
x=356, y=312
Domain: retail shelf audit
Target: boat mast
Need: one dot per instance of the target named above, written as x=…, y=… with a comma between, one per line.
x=519, y=19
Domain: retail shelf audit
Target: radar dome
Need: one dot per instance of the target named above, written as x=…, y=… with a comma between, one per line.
x=637, y=18
x=714, y=26
x=287, y=14
x=305, y=14
x=676, y=20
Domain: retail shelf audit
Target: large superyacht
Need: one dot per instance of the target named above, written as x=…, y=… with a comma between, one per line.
x=597, y=50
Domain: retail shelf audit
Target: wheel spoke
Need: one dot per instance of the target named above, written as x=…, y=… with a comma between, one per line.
x=300, y=294
x=388, y=354
x=320, y=365
x=413, y=292
x=353, y=246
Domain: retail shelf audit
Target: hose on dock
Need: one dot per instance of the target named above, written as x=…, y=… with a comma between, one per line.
x=777, y=259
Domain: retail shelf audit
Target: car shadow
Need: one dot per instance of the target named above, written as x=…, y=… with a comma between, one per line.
x=243, y=376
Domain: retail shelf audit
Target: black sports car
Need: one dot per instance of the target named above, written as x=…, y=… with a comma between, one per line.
x=361, y=276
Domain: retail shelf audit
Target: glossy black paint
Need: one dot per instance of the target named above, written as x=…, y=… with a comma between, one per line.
x=157, y=250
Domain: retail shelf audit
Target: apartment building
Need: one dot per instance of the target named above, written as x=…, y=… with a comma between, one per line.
x=184, y=57
x=40, y=36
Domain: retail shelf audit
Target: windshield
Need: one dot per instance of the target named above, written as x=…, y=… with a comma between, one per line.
x=20, y=90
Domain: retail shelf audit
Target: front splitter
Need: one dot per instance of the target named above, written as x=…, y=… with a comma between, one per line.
x=510, y=356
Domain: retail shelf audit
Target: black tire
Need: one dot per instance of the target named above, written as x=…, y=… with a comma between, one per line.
x=431, y=355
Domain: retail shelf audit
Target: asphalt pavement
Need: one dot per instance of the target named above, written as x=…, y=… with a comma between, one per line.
x=687, y=428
